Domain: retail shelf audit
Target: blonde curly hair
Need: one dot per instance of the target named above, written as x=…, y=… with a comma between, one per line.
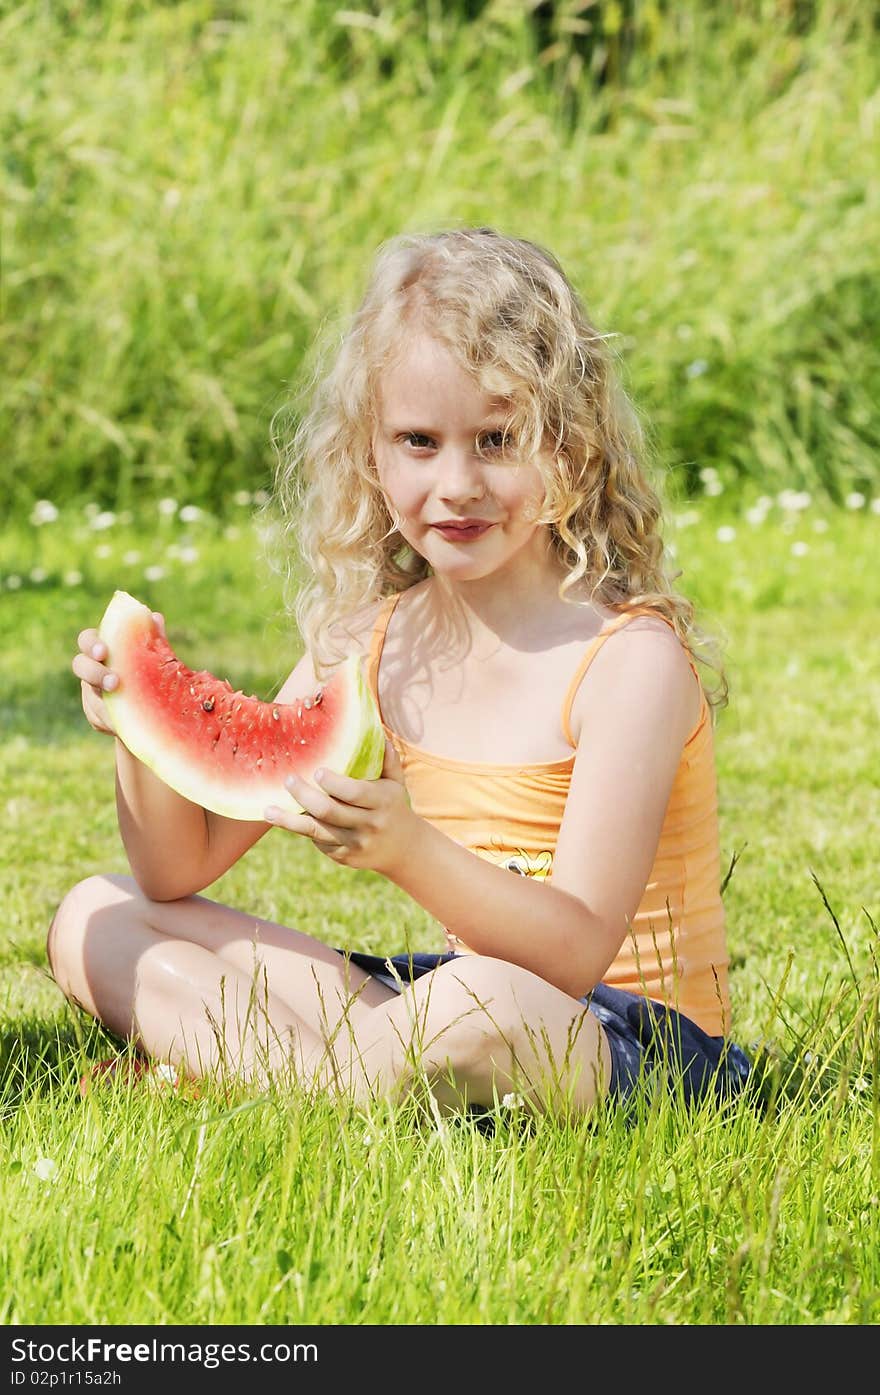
x=505, y=310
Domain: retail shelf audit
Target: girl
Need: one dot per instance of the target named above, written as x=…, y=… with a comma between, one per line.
x=477, y=525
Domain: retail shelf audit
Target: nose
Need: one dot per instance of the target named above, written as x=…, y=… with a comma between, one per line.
x=460, y=473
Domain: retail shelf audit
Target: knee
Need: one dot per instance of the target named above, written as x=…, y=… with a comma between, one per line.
x=467, y=1018
x=71, y=918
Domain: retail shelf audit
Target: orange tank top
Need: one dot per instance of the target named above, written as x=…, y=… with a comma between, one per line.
x=676, y=949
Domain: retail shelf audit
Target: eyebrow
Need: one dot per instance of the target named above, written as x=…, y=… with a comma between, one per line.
x=490, y=425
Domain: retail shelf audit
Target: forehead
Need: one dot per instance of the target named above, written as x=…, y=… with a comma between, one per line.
x=425, y=376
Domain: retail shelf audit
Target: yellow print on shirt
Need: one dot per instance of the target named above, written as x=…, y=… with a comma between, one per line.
x=538, y=865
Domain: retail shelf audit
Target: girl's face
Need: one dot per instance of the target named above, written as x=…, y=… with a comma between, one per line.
x=467, y=516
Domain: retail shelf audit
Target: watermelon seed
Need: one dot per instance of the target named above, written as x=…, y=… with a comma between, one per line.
x=308, y=704
x=276, y=714
x=319, y=696
x=208, y=704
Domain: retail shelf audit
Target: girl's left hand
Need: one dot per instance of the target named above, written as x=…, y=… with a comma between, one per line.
x=359, y=823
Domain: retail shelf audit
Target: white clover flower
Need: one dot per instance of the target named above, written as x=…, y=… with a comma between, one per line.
x=189, y=513
x=708, y=472
x=756, y=515
x=820, y=525
x=43, y=512
x=101, y=521
x=697, y=368
x=687, y=519
x=875, y=504
x=232, y=532
x=91, y=509
x=855, y=500
x=13, y=582
x=103, y=550
x=154, y=573
x=167, y=507
x=793, y=500
x=512, y=1101
x=261, y=497
x=46, y=1169
x=131, y=557
x=713, y=488
x=188, y=555
x=725, y=533
x=799, y=549
x=38, y=574
x=171, y=199
x=72, y=578
x=861, y=1084
x=242, y=497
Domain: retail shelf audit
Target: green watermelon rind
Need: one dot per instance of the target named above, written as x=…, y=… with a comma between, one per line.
x=365, y=762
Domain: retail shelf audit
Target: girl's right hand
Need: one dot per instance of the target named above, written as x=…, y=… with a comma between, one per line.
x=96, y=679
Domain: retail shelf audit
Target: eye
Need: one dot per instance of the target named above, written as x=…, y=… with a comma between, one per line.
x=491, y=442
x=417, y=440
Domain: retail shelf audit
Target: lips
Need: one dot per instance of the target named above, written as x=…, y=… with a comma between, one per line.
x=462, y=532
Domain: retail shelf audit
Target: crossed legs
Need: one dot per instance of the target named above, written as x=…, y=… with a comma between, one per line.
x=216, y=991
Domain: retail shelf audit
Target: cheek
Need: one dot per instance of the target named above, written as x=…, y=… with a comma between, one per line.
x=400, y=488
x=523, y=494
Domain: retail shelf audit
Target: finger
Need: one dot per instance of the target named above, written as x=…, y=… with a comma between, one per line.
x=392, y=767
x=306, y=825
x=322, y=805
x=361, y=794
x=87, y=639
x=95, y=674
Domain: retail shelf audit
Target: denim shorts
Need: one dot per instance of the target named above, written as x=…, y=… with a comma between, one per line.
x=645, y=1037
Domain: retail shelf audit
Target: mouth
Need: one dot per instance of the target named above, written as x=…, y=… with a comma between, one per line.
x=461, y=532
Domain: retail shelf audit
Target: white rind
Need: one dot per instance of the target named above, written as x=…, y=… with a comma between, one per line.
x=361, y=735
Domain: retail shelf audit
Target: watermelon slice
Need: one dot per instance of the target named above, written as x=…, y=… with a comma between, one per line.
x=223, y=750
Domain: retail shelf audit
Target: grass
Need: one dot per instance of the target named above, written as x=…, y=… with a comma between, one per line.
x=141, y=1207
x=194, y=194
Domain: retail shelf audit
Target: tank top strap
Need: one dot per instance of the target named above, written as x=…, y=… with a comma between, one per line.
x=592, y=650
x=377, y=642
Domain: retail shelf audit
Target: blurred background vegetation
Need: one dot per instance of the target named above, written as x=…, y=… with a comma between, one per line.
x=194, y=192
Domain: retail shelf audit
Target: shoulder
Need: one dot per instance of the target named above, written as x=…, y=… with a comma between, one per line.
x=350, y=635
x=643, y=667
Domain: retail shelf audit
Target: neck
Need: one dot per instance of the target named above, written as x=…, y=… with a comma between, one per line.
x=508, y=604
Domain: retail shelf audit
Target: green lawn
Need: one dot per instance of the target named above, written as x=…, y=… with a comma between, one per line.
x=142, y=1207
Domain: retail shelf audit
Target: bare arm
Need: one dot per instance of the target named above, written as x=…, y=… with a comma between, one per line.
x=640, y=706
x=635, y=716
x=165, y=836
x=174, y=847
x=642, y=702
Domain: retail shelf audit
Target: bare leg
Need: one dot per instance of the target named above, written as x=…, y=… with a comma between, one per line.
x=216, y=991
x=203, y=985
x=478, y=1029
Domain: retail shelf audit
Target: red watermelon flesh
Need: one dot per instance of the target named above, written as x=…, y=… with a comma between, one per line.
x=218, y=747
